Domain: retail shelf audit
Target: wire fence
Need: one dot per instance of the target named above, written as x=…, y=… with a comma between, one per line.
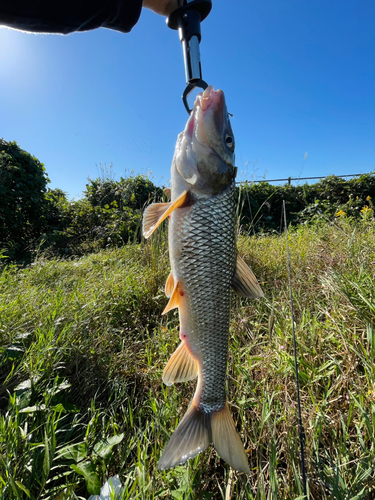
x=290, y=179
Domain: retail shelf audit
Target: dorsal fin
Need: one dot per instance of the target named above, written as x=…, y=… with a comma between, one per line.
x=157, y=212
x=244, y=282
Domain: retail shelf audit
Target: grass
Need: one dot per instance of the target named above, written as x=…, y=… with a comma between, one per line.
x=83, y=345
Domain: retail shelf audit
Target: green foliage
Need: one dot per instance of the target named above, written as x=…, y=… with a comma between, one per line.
x=34, y=220
x=132, y=192
x=261, y=203
x=109, y=215
x=84, y=228
x=23, y=182
x=83, y=346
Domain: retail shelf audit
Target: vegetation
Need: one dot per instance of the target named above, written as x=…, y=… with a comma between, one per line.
x=83, y=346
x=83, y=343
x=261, y=203
x=35, y=220
x=23, y=182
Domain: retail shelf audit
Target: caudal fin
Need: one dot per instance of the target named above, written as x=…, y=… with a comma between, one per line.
x=227, y=442
x=195, y=432
x=193, y=435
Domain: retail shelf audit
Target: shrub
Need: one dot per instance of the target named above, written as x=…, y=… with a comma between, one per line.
x=23, y=182
x=132, y=192
x=261, y=204
x=85, y=228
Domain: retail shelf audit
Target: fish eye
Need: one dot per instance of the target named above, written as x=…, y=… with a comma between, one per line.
x=229, y=141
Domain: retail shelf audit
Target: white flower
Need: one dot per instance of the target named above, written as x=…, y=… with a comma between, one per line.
x=112, y=486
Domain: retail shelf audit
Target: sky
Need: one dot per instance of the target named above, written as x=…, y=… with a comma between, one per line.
x=299, y=79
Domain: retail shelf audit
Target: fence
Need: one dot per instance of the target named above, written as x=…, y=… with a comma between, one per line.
x=290, y=179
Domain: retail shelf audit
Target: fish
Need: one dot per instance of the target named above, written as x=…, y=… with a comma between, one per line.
x=205, y=266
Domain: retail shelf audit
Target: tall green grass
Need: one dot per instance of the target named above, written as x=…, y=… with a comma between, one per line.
x=83, y=346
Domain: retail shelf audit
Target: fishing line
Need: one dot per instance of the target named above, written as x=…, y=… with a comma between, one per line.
x=300, y=425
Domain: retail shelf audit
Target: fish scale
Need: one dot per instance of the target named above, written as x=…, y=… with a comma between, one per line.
x=206, y=268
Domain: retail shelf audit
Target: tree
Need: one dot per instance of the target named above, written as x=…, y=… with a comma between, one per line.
x=23, y=182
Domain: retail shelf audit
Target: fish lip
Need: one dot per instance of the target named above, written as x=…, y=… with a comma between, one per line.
x=205, y=99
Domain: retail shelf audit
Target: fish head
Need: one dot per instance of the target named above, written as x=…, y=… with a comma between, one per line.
x=205, y=149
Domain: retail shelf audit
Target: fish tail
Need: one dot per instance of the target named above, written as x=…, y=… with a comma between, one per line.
x=195, y=432
x=226, y=440
x=193, y=435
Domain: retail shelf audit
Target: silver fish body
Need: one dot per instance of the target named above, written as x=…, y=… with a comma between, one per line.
x=204, y=267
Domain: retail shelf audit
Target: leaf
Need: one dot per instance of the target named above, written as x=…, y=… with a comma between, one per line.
x=87, y=470
x=177, y=494
x=23, y=386
x=14, y=352
x=76, y=452
x=46, y=461
x=33, y=409
x=104, y=448
x=23, y=488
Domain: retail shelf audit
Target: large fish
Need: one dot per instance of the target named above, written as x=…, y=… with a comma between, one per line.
x=205, y=265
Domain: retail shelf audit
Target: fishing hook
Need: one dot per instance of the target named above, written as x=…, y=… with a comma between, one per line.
x=187, y=20
x=189, y=88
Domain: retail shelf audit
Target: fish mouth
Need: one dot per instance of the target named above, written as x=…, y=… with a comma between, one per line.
x=203, y=102
x=208, y=97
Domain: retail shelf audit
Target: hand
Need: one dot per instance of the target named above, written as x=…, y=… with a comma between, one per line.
x=162, y=7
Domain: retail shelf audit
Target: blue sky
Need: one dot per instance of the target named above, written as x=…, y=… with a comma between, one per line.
x=299, y=76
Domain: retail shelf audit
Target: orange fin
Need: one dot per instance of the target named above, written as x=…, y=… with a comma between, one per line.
x=181, y=367
x=157, y=212
x=226, y=440
x=190, y=438
x=174, y=300
x=244, y=282
x=169, y=286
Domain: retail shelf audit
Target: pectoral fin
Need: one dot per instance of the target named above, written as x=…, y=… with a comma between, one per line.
x=157, y=212
x=244, y=282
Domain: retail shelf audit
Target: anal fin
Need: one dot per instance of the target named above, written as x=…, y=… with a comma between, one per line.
x=226, y=440
x=244, y=282
x=157, y=212
x=181, y=367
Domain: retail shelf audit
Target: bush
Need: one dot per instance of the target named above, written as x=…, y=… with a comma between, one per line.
x=109, y=215
x=132, y=192
x=260, y=204
x=85, y=228
x=23, y=182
